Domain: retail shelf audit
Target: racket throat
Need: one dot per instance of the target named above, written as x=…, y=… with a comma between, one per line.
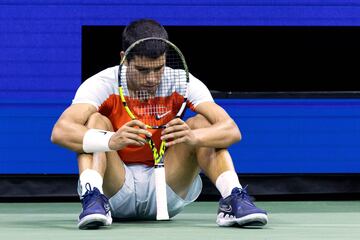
x=157, y=155
x=159, y=165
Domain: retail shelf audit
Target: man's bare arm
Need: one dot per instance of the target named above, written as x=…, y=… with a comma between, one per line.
x=221, y=134
x=70, y=128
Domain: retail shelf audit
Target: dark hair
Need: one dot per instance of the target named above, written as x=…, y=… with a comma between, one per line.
x=144, y=28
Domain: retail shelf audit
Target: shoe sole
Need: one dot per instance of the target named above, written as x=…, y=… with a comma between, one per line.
x=94, y=221
x=256, y=220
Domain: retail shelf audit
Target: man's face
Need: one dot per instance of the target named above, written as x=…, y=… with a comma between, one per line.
x=144, y=74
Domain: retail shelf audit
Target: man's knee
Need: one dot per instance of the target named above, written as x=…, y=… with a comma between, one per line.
x=99, y=121
x=198, y=121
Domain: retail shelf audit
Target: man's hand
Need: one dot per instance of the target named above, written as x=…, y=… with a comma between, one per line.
x=131, y=133
x=177, y=131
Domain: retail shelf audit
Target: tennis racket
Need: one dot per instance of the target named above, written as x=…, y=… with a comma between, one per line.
x=153, y=80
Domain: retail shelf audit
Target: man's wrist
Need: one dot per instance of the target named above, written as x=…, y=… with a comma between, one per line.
x=97, y=140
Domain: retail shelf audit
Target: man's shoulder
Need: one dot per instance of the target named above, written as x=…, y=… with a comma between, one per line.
x=98, y=88
x=106, y=76
x=109, y=73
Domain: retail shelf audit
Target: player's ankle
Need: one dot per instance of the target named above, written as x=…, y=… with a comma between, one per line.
x=90, y=179
x=226, y=182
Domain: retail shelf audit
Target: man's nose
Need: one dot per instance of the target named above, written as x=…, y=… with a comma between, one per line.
x=151, y=76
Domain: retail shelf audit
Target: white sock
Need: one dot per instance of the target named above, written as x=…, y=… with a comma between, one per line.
x=226, y=182
x=91, y=177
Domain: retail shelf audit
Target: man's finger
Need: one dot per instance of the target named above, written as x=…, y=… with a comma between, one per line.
x=175, y=121
x=137, y=123
x=138, y=131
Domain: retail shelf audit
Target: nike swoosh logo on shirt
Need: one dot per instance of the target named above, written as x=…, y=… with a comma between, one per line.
x=158, y=117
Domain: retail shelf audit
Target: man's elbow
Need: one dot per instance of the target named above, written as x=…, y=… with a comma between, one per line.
x=236, y=134
x=56, y=134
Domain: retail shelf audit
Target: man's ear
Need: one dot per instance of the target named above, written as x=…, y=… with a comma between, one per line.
x=122, y=54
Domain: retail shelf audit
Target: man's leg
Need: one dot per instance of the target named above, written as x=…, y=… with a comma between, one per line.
x=99, y=173
x=184, y=163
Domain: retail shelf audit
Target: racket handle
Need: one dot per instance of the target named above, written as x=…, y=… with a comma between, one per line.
x=160, y=187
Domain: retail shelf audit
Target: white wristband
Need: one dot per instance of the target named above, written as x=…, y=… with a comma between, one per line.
x=97, y=140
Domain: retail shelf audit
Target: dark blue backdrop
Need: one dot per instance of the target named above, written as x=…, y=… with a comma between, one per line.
x=279, y=136
x=40, y=69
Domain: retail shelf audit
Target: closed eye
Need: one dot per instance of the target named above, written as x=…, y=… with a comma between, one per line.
x=145, y=71
x=158, y=68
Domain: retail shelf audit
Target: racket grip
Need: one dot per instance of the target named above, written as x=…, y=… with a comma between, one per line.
x=160, y=188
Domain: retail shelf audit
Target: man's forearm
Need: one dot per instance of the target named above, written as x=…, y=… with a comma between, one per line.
x=69, y=135
x=219, y=135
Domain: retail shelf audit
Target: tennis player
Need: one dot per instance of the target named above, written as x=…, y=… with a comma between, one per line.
x=115, y=165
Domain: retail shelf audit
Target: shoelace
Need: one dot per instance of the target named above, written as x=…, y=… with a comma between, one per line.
x=91, y=193
x=244, y=196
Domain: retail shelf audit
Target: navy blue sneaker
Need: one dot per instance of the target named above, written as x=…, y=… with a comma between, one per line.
x=96, y=209
x=238, y=210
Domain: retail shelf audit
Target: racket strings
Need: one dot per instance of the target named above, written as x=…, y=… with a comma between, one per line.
x=151, y=110
x=154, y=88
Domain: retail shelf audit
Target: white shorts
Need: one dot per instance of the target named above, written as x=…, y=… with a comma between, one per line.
x=136, y=199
